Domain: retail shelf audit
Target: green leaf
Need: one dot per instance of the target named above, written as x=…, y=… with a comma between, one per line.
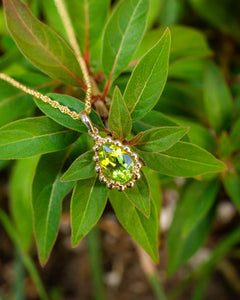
x=217, y=99
x=182, y=160
x=198, y=134
x=225, y=147
x=41, y=45
x=225, y=16
x=200, y=194
x=143, y=230
x=119, y=118
x=122, y=35
x=161, y=138
x=155, y=189
x=185, y=42
x=88, y=19
x=83, y=167
x=73, y=104
x=47, y=195
x=231, y=183
x=188, y=68
x=235, y=136
x=152, y=119
x=33, y=136
x=27, y=260
x=184, y=99
x=52, y=17
x=181, y=247
x=14, y=103
x=155, y=6
x=147, y=81
x=88, y=202
x=20, y=198
x=139, y=195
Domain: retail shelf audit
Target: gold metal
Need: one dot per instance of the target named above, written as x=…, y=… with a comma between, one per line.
x=73, y=41
x=111, y=184
x=38, y=95
x=83, y=115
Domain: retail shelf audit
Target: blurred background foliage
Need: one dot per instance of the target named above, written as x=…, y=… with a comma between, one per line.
x=200, y=232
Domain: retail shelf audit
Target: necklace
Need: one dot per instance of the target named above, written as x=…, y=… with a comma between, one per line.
x=118, y=166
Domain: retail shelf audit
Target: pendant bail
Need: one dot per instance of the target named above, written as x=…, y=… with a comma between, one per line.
x=87, y=121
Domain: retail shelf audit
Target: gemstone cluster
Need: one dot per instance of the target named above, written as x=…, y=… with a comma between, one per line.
x=116, y=164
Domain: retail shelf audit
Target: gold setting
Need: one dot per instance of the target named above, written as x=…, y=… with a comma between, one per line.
x=111, y=184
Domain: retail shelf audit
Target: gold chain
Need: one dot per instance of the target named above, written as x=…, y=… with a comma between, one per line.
x=38, y=95
x=73, y=41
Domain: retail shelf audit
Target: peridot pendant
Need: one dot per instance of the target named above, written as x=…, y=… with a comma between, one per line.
x=116, y=164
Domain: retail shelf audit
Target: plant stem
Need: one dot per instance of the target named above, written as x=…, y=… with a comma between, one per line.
x=156, y=286
x=96, y=263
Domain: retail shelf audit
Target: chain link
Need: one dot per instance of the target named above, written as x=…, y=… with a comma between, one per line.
x=73, y=41
x=38, y=95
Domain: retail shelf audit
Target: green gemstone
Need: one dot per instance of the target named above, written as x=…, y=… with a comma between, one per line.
x=116, y=163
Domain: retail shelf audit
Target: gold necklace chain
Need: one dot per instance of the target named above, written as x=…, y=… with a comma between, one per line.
x=73, y=41
x=38, y=95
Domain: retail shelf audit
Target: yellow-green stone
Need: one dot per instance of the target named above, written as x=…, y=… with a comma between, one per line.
x=116, y=163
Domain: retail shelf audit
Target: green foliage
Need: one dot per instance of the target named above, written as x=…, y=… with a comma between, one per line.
x=122, y=34
x=88, y=201
x=143, y=230
x=217, y=99
x=170, y=124
x=74, y=105
x=148, y=79
x=54, y=57
x=47, y=195
x=33, y=136
x=182, y=159
x=119, y=117
x=20, y=198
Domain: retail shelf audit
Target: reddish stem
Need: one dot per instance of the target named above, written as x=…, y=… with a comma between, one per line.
x=107, y=87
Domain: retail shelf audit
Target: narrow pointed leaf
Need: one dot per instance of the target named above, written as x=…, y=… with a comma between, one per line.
x=200, y=194
x=41, y=45
x=88, y=19
x=161, y=138
x=73, y=104
x=217, y=99
x=235, y=136
x=33, y=136
x=139, y=195
x=119, y=117
x=143, y=230
x=14, y=103
x=20, y=198
x=148, y=79
x=88, y=201
x=83, y=167
x=181, y=247
x=122, y=35
x=231, y=183
x=47, y=195
x=183, y=160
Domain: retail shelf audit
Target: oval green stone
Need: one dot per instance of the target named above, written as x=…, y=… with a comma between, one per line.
x=116, y=163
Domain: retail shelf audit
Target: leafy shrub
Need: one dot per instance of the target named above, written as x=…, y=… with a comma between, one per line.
x=177, y=128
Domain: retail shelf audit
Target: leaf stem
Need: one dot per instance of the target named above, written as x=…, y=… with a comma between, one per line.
x=107, y=87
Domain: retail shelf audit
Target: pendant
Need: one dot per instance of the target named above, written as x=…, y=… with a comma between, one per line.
x=118, y=166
